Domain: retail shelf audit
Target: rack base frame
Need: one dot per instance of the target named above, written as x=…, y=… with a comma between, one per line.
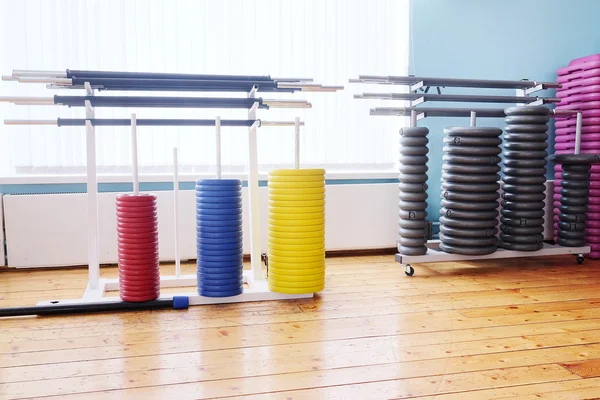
x=258, y=291
x=434, y=254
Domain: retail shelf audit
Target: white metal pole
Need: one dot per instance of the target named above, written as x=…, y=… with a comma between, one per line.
x=253, y=195
x=578, y=132
x=92, y=196
x=176, y=210
x=218, y=145
x=413, y=118
x=473, y=118
x=297, y=143
x=134, y=155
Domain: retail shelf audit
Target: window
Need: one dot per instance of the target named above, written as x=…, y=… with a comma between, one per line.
x=330, y=41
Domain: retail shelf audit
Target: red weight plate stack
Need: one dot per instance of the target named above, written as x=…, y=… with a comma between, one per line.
x=137, y=227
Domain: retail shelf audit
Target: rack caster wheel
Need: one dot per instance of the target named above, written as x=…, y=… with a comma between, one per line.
x=408, y=270
x=580, y=260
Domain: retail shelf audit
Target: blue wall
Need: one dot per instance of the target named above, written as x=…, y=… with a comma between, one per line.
x=503, y=39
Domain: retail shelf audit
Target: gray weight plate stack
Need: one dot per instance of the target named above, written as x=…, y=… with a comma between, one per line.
x=412, y=231
x=574, y=197
x=525, y=144
x=469, y=215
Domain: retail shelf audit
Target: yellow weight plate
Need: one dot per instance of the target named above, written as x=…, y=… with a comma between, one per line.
x=289, y=290
x=296, y=260
x=306, y=240
x=296, y=253
x=287, y=217
x=297, y=246
x=297, y=203
x=297, y=172
x=296, y=278
x=296, y=191
x=296, y=222
x=296, y=197
x=296, y=271
x=294, y=185
x=296, y=235
x=296, y=284
x=295, y=210
x=297, y=178
x=296, y=228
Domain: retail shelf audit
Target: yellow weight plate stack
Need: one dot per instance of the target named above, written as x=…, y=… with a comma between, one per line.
x=296, y=231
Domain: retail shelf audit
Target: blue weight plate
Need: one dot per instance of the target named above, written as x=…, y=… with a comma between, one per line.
x=218, y=205
x=226, y=225
x=210, y=195
x=214, y=258
x=213, y=188
x=220, y=288
x=225, y=241
x=216, y=236
x=231, y=277
x=212, y=293
x=201, y=209
x=204, y=248
x=217, y=228
x=232, y=201
x=219, y=267
x=219, y=182
x=208, y=255
x=217, y=218
x=224, y=213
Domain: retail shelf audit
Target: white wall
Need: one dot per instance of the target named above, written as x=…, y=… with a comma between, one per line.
x=51, y=230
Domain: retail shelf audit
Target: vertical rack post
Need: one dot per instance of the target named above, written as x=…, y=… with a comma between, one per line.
x=413, y=118
x=255, y=251
x=134, y=154
x=297, y=143
x=578, y=132
x=176, y=210
x=473, y=118
x=218, y=145
x=92, y=194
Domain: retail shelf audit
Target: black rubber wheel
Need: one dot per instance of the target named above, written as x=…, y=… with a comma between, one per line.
x=409, y=271
x=580, y=260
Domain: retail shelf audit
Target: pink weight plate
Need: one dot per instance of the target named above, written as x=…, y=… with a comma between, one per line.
x=592, y=224
x=593, y=239
x=594, y=184
x=580, y=98
x=560, y=93
x=594, y=200
x=584, y=130
x=592, y=232
x=591, y=72
x=593, y=216
x=581, y=83
x=590, y=58
x=595, y=146
x=580, y=105
x=595, y=208
x=594, y=255
x=567, y=122
x=585, y=137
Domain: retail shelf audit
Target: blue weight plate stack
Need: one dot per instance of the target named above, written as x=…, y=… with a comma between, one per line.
x=219, y=237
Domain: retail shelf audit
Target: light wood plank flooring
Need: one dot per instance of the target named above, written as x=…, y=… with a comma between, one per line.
x=522, y=328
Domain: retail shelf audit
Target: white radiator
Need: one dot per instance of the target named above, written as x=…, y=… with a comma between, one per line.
x=47, y=230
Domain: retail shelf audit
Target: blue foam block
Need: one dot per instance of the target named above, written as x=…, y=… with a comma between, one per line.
x=181, y=302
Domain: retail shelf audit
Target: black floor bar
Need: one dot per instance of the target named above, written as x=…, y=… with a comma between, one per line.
x=454, y=98
x=163, y=102
x=153, y=122
x=453, y=82
x=175, y=84
x=438, y=112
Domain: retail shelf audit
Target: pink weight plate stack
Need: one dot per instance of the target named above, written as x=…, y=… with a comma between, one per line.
x=580, y=90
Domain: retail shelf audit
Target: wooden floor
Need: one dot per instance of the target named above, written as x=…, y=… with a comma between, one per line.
x=519, y=329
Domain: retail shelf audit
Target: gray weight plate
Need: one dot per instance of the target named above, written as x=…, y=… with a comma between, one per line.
x=466, y=196
x=574, y=201
x=572, y=217
x=470, y=188
x=571, y=242
x=577, y=167
x=575, y=158
x=414, y=131
x=414, y=151
x=472, y=141
x=413, y=169
x=572, y=209
x=522, y=222
x=472, y=233
x=526, y=119
x=521, y=239
x=469, y=206
x=460, y=214
x=473, y=131
x=465, y=178
x=575, y=184
x=413, y=141
x=524, y=155
x=524, y=180
x=410, y=196
x=526, y=146
x=571, y=234
x=516, y=214
x=527, y=110
x=518, y=129
x=412, y=178
x=522, y=246
x=525, y=163
x=524, y=197
x=470, y=251
x=470, y=169
x=469, y=242
x=413, y=187
x=412, y=223
x=412, y=205
x=406, y=214
x=472, y=150
x=524, y=171
x=575, y=176
x=521, y=230
x=526, y=137
x=534, y=205
x=574, y=192
x=474, y=160
x=521, y=189
x=468, y=224
x=412, y=251
x=412, y=242
x=413, y=160
x=571, y=226
x=412, y=233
